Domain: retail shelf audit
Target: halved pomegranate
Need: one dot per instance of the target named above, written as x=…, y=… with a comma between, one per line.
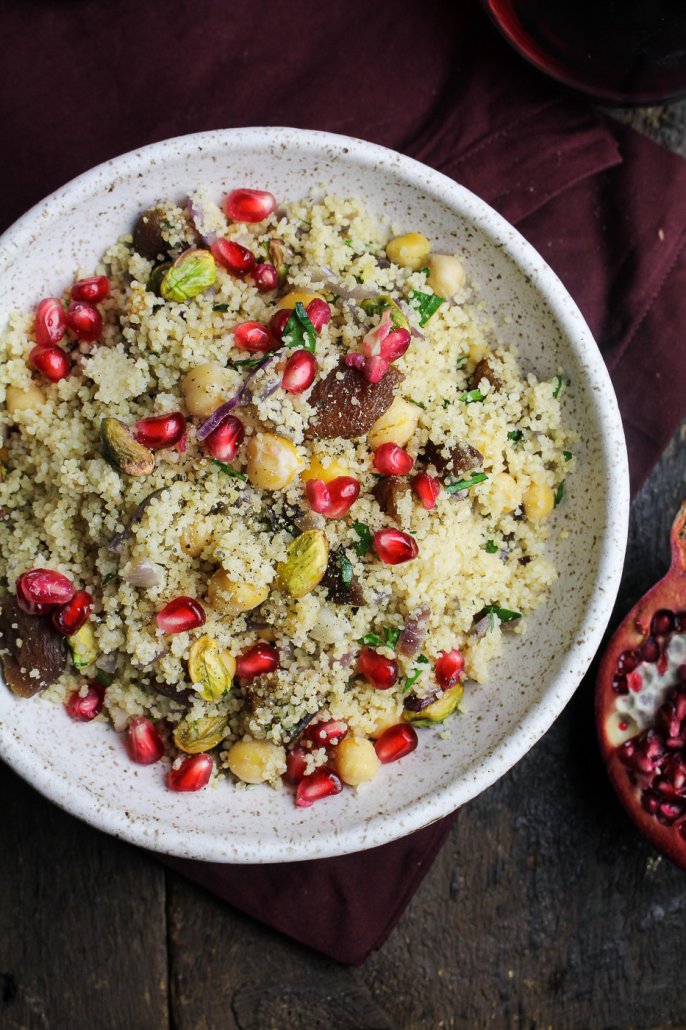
x=641, y=707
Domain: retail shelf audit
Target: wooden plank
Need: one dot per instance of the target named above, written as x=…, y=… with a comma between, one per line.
x=82, y=923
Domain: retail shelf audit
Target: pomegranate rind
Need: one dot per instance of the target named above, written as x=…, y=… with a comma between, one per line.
x=669, y=593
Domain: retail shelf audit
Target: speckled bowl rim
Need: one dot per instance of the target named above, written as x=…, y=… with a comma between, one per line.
x=382, y=828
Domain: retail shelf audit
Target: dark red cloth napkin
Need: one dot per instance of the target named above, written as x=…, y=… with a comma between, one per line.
x=84, y=80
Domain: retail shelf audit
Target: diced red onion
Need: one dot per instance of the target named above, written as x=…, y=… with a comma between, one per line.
x=356, y=293
x=115, y=544
x=225, y=409
x=144, y=574
x=412, y=637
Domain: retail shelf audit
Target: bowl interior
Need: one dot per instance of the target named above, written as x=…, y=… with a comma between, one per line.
x=84, y=767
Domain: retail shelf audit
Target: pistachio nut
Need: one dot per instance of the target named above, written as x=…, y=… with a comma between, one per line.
x=208, y=671
x=83, y=647
x=279, y=255
x=438, y=710
x=375, y=305
x=197, y=735
x=154, y=283
x=121, y=449
x=193, y=272
x=306, y=560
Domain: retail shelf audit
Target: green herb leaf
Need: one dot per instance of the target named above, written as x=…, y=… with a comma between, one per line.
x=299, y=331
x=246, y=363
x=417, y=404
x=491, y=547
x=425, y=304
x=560, y=383
x=515, y=435
x=559, y=493
x=460, y=361
x=103, y=678
x=371, y=640
x=411, y=679
x=348, y=243
x=227, y=470
x=335, y=297
x=365, y=534
x=471, y=397
x=446, y=403
x=221, y=307
x=108, y=578
x=493, y=611
x=392, y=636
x=464, y=484
x=567, y=455
x=346, y=570
x=358, y=279
x=423, y=659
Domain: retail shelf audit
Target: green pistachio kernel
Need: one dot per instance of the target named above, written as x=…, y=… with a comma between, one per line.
x=193, y=272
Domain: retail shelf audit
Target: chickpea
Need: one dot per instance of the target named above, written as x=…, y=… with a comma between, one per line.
x=409, y=251
x=273, y=461
x=205, y=387
x=356, y=760
x=505, y=492
x=397, y=425
x=446, y=274
x=195, y=539
x=23, y=398
x=539, y=501
x=293, y=296
x=255, y=761
x=230, y=597
x=316, y=470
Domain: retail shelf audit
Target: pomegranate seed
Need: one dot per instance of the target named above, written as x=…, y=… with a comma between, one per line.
x=296, y=763
x=681, y=673
x=326, y=734
x=333, y=499
x=180, y=615
x=249, y=205
x=266, y=277
x=396, y=742
x=278, y=322
x=237, y=260
x=620, y=685
x=52, y=362
x=69, y=619
x=375, y=368
x=448, y=668
x=257, y=660
x=224, y=441
x=395, y=344
x=39, y=590
x=628, y=661
x=83, y=709
x=680, y=622
x=391, y=460
x=50, y=323
x=662, y=623
x=91, y=290
x=634, y=681
x=143, y=742
x=650, y=650
x=254, y=337
x=355, y=360
x=319, y=313
x=160, y=431
x=381, y=672
x=84, y=320
x=623, y=725
x=299, y=373
x=427, y=488
x=394, y=547
x=322, y=783
x=193, y=773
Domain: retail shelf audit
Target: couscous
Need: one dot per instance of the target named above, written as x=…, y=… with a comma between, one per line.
x=272, y=490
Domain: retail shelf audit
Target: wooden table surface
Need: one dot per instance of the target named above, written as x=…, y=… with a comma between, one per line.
x=544, y=909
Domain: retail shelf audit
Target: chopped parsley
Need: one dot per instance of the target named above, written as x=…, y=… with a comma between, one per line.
x=246, y=363
x=422, y=659
x=425, y=304
x=490, y=547
x=560, y=383
x=346, y=570
x=515, y=435
x=471, y=397
x=390, y=638
x=391, y=635
x=460, y=361
x=358, y=279
x=412, y=679
x=417, y=404
x=494, y=611
x=108, y=578
x=335, y=297
x=446, y=403
x=425, y=271
x=299, y=331
x=365, y=537
x=371, y=640
x=227, y=470
x=567, y=455
x=464, y=484
x=103, y=678
x=348, y=243
x=221, y=307
x=559, y=493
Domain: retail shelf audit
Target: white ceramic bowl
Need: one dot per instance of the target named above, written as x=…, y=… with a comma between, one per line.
x=84, y=768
